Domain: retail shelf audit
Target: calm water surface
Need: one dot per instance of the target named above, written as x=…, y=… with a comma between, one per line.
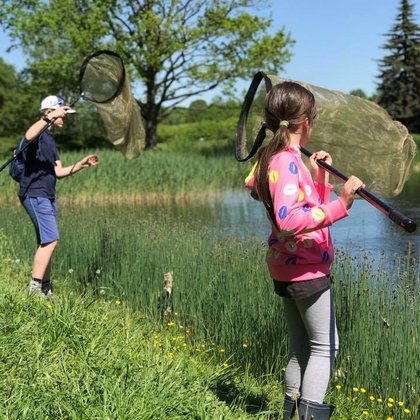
x=366, y=230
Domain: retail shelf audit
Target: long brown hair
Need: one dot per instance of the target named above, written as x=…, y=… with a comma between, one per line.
x=290, y=102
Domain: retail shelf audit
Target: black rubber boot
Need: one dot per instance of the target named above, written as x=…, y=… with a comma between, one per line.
x=308, y=410
x=289, y=407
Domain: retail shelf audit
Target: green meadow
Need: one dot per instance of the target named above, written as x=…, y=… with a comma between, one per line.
x=115, y=346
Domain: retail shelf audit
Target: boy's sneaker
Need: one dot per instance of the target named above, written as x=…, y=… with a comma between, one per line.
x=37, y=288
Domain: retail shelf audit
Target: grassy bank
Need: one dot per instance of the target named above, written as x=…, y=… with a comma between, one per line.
x=89, y=356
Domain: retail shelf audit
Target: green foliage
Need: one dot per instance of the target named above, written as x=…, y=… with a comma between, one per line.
x=173, y=49
x=204, y=135
x=358, y=92
x=399, y=88
x=15, y=103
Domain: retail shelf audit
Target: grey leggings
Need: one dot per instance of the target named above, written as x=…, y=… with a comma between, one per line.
x=313, y=344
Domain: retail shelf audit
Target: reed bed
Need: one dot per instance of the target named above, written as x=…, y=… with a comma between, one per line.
x=222, y=296
x=175, y=175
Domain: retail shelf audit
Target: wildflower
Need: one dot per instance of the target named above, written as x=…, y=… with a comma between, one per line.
x=379, y=400
x=118, y=302
x=176, y=313
x=338, y=387
x=355, y=389
x=225, y=365
x=365, y=412
x=400, y=403
x=181, y=326
x=171, y=324
x=222, y=350
x=244, y=345
x=98, y=271
x=187, y=331
x=362, y=390
x=49, y=306
x=170, y=355
x=372, y=398
x=391, y=400
x=71, y=271
x=406, y=411
x=390, y=405
x=102, y=291
x=389, y=418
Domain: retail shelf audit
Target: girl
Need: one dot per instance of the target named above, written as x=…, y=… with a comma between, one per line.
x=300, y=249
x=37, y=188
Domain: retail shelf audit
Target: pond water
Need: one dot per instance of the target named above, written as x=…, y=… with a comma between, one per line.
x=366, y=230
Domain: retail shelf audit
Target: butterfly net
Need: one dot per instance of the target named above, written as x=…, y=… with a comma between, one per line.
x=104, y=82
x=361, y=137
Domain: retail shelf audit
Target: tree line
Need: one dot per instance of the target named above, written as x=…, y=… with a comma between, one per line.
x=174, y=51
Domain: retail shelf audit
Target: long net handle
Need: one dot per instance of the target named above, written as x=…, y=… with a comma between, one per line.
x=400, y=219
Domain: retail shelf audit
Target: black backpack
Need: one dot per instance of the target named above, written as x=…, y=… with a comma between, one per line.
x=17, y=167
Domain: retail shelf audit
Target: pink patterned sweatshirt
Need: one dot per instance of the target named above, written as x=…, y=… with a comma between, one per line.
x=300, y=246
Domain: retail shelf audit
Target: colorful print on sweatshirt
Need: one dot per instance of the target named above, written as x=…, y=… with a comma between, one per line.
x=300, y=246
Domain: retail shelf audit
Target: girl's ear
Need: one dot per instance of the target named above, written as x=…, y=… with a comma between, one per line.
x=305, y=123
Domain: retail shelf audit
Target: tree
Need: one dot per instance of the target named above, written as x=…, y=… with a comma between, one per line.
x=399, y=87
x=173, y=49
x=13, y=102
x=358, y=92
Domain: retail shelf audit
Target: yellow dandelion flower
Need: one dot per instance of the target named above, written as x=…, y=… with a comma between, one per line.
x=338, y=387
x=176, y=313
x=355, y=389
x=389, y=418
x=170, y=355
x=391, y=400
x=244, y=345
x=225, y=365
x=390, y=405
x=187, y=331
x=171, y=324
x=372, y=398
x=362, y=390
x=118, y=302
x=365, y=412
x=222, y=350
x=181, y=326
x=49, y=306
x=379, y=400
x=400, y=403
x=406, y=411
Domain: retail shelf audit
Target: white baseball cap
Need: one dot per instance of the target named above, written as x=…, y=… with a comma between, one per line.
x=55, y=102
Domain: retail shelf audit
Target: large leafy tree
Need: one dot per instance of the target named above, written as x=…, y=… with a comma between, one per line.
x=13, y=102
x=399, y=87
x=174, y=49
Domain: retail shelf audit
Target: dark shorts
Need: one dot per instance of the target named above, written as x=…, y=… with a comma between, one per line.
x=42, y=212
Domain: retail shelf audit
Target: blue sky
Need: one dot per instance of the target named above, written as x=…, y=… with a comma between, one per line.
x=338, y=42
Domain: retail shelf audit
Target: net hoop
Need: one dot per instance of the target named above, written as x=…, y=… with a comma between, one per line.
x=84, y=66
x=243, y=118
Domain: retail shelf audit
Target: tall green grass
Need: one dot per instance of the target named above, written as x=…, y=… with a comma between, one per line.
x=222, y=293
x=174, y=174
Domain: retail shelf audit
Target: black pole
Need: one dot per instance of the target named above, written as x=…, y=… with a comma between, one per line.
x=401, y=220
